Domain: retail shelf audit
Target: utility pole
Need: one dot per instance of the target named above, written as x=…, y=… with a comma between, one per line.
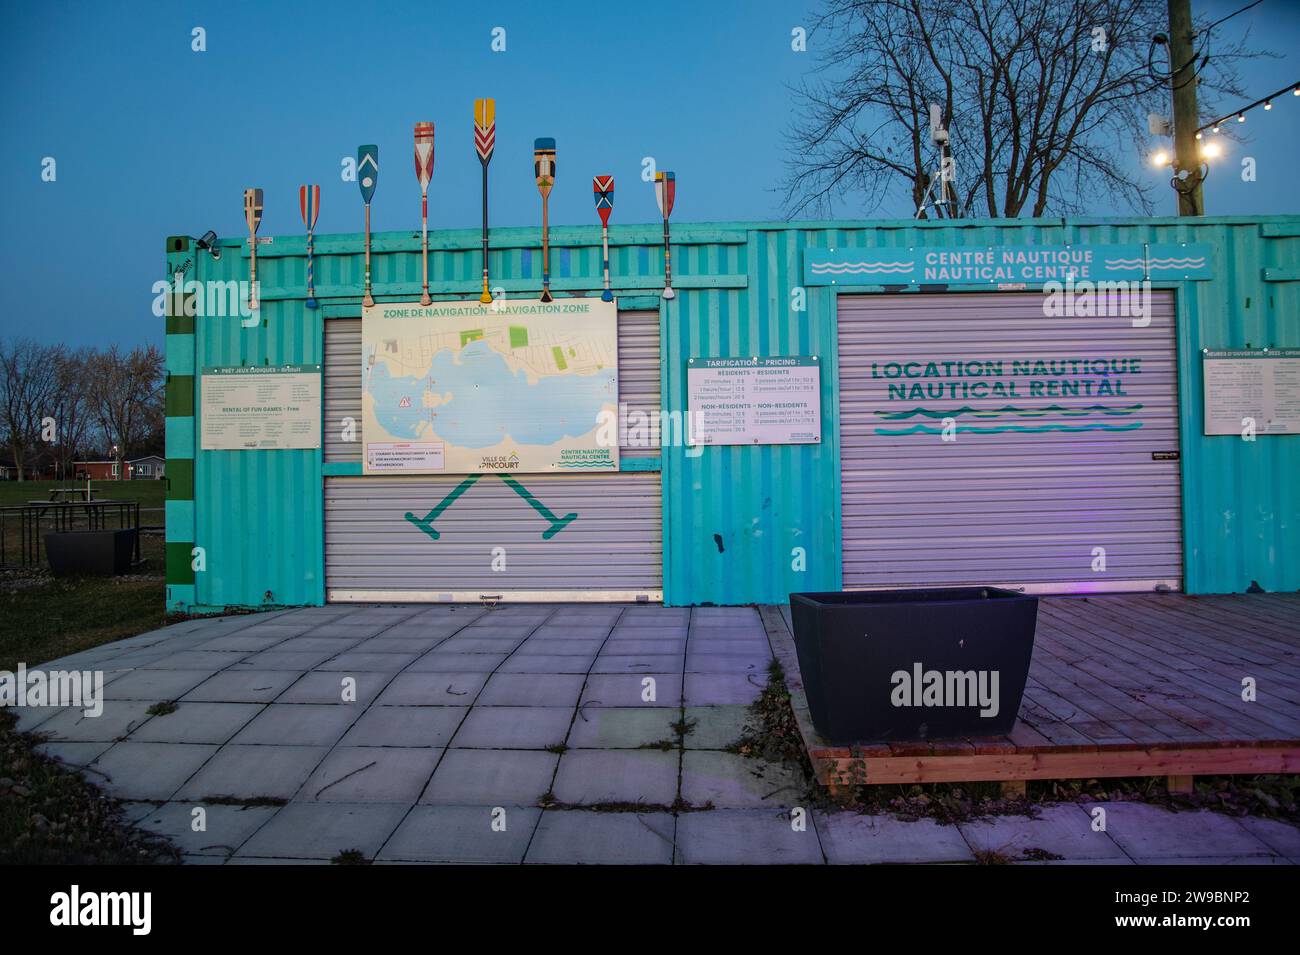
x=1187, y=161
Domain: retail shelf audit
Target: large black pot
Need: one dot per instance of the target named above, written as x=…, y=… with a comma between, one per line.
x=90, y=553
x=869, y=661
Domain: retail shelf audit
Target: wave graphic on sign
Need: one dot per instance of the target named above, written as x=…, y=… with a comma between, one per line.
x=1003, y=428
x=859, y=268
x=1011, y=409
x=1184, y=263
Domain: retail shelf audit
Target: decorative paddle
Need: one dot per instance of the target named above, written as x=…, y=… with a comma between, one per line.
x=309, y=205
x=665, y=193
x=485, y=140
x=603, y=187
x=253, y=216
x=544, y=169
x=424, y=172
x=367, y=178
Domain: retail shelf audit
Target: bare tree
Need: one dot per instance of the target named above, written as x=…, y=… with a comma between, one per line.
x=122, y=388
x=28, y=390
x=70, y=409
x=1045, y=103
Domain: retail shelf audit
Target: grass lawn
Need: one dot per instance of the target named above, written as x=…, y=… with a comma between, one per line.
x=49, y=814
x=148, y=493
x=43, y=617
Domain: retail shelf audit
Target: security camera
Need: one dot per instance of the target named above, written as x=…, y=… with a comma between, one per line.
x=209, y=241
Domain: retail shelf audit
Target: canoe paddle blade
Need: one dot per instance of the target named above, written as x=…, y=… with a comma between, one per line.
x=367, y=171
x=424, y=155
x=485, y=129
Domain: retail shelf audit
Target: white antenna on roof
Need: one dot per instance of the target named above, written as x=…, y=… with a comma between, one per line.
x=944, y=174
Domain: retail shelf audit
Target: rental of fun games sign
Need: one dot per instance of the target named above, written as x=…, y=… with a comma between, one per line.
x=260, y=408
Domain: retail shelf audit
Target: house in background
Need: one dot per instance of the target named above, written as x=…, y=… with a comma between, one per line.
x=96, y=470
x=148, y=468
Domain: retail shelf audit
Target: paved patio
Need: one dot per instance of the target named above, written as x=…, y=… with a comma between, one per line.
x=433, y=734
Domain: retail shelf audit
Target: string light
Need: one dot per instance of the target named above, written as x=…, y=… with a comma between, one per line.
x=1240, y=114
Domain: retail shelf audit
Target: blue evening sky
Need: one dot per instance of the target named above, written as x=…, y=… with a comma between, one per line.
x=152, y=139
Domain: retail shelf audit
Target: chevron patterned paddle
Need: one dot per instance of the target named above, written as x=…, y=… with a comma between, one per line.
x=603, y=189
x=253, y=216
x=485, y=140
x=544, y=170
x=309, y=206
x=367, y=179
x=424, y=173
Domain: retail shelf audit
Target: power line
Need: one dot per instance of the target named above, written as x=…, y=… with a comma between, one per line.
x=1231, y=15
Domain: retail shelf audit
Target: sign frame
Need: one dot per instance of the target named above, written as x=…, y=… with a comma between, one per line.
x=764, y=435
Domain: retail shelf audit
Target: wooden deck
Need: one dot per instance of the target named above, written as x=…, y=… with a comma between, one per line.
x=1120, y=685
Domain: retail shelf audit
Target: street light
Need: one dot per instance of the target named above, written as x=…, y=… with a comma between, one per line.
x=1160, y=159
x=1211, y=150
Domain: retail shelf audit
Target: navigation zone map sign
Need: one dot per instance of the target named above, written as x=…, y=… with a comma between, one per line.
x=260, y=408
x=515, y=386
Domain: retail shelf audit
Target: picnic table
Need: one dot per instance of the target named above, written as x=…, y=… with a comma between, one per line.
x=63, y=516
x=60, y=494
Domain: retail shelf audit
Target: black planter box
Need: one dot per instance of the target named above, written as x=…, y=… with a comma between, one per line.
x=90, y=553
x=914, y=664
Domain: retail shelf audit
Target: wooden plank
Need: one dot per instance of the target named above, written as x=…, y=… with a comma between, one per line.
x=1261, y=722
x=1052, y=765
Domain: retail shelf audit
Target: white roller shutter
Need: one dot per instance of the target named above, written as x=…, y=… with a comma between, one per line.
x=1043, y=489
x=490, y=531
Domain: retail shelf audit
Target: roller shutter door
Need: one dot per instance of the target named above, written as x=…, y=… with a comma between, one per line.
x=495, y=537
x=1076, y=466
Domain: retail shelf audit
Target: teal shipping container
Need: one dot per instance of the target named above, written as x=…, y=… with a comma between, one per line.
x=1077, y=406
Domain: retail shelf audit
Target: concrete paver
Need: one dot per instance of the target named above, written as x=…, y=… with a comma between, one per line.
x=466, y=834
x=304, y=830
x=1063, y=830
x=1148, y=833
x=617, y=776
x=493, y=777
x=580, y=837
x=442, y=754
x=736, y=836
x=851, y=838
x=405, y=726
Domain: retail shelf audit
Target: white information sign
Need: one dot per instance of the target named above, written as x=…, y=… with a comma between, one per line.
x=260, y=408
x=1263, y=386
x=774, y=400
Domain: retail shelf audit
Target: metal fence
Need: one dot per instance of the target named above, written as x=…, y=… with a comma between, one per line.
x=23, y=527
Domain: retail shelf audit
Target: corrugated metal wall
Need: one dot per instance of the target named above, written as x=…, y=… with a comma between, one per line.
x=1024, y=487
x=742, y=524
x=492, y=538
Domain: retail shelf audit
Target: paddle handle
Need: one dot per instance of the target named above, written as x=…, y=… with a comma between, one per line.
x=424, y=246
x=486, y=297
x=668, y=263
x=252, y=274
x=311, y=283
x=367, y=300
x=607, y=296
x=546, y=254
